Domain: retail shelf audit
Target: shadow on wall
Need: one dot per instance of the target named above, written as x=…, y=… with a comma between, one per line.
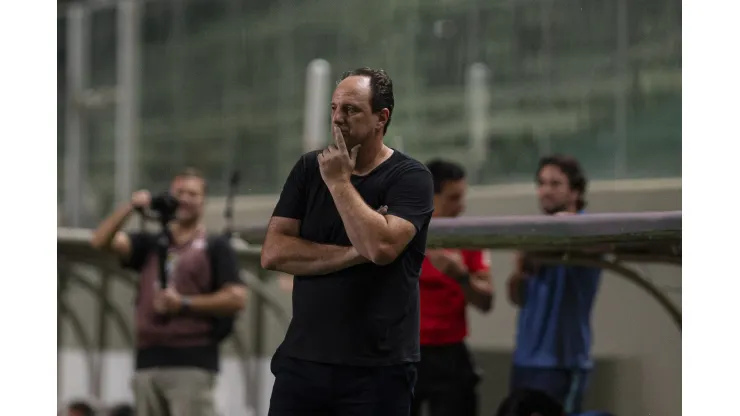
x=601, y=394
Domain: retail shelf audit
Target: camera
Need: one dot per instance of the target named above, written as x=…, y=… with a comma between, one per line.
x=164, y=204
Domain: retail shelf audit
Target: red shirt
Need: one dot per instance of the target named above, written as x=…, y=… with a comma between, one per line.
x=443, y=319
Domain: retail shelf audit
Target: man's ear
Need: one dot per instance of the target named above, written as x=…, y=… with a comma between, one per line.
x=383, y=116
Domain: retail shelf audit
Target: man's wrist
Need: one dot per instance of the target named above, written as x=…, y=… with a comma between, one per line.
x=463, y=278
x=185, y=304
x=338, y=185
x=354, y=257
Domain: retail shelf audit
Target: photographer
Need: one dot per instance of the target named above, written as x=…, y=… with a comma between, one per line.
x=184, y=309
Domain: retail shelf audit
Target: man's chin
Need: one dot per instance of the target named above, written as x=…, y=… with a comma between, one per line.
x=186, y=221
x=552, y=210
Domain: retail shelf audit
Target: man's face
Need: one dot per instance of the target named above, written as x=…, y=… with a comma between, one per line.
x=554, y=192
x=351, y=111
x=450, y=201
x=190, y=192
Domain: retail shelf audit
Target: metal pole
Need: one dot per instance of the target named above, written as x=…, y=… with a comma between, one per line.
x=127, y=93
x=620, y=109
x=75, y=133
x=258, y=350
x=545, y=137
x=478, y=103
x=62, y=279
x=316, y=115
x=102, y=333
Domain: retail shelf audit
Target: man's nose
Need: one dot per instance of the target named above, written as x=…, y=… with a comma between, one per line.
x=337, y=118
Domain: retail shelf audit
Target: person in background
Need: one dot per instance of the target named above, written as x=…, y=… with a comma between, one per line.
x=80, y=408
x=449, y=281
x=123, y=409
x=553, y=341
x=179, y=327
x=529, y=402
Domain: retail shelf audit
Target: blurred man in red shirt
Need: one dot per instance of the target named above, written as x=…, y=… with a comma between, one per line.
x=450, y=279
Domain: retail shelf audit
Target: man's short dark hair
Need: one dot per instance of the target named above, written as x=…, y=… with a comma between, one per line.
x=381, y=88
x=525, y=402
x=572, y=169
x=81, y=407
x=444, y=171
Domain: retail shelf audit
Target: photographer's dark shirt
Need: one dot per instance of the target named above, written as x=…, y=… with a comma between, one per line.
x=366, y=315
x=184, y=340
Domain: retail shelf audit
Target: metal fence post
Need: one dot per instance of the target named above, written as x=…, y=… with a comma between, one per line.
x=478, y=102
x=127, y=94
x=75, y=134
x=621, y=96
x=258, y=345
x=316, y=116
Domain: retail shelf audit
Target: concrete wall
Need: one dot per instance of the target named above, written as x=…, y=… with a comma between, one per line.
x=637, y=347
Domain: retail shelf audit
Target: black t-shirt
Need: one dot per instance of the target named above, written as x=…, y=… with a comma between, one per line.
x=367, y=314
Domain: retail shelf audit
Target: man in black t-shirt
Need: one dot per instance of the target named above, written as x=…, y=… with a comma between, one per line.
x=354, y=338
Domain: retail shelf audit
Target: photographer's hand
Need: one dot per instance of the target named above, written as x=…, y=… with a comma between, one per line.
x=108, y=236
x=168, y=301
x=141, y=199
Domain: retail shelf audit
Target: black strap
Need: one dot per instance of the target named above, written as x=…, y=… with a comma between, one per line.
x=222, y=325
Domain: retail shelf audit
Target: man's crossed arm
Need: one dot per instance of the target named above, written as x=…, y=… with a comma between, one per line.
x=379, y=238
x=286, y=252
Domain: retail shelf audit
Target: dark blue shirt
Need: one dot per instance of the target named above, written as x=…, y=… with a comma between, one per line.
x=554, y=328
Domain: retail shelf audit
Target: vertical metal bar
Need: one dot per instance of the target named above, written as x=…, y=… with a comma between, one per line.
x=102, y=334
x=546, y=7
x=478, y=103
x=258, y=333
x=289, y=73
x=176, y=44
x=75, y=121
x=127, y=93
x=62, y=279
x=231, y=61
x=316, y=115
x=473, y=29
x=621, y=94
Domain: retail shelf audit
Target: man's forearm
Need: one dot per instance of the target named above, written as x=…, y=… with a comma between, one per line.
x=221, y=303
x=106, y=231
x=297, y=256
x=483, y=300
x=365, y=227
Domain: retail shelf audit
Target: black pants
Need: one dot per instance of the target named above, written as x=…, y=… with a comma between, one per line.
x=447, y=382
x=567, y=386
x=309, y=388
